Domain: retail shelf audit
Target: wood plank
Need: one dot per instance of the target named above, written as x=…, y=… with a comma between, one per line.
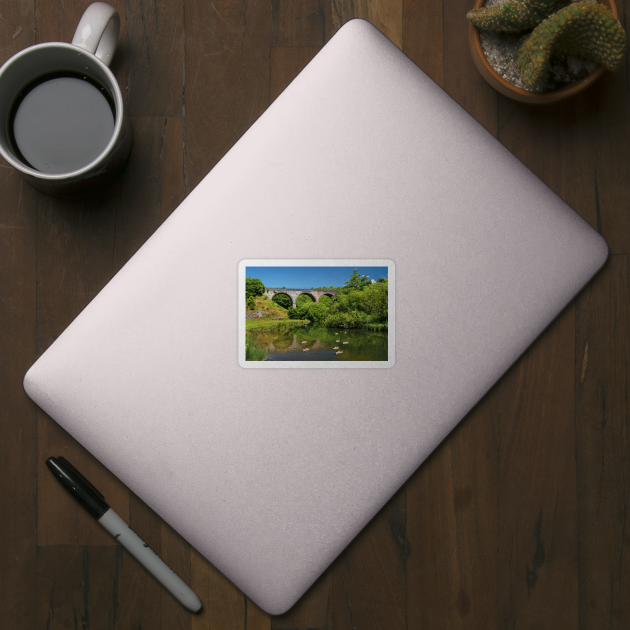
x=56, y=23
x=224, y=606
x=452, y=527
x=537, y=537
x=312, y=611
x=423, y=36
x=461, y=78
x=369, y=577
x=152, y=185
x=18, y=422
x=608, y=126
x=226, y=78
x=76, y=587
x=300, y=22
x=154, y=57
x=142, y=600
x=575, y=147
x=386, y=15
x=61, y=520
x=603, y=469
x=558, y=147
x=17, y=28
x=285, y=64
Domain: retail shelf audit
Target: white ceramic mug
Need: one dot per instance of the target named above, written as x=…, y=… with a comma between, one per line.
x=87, y=58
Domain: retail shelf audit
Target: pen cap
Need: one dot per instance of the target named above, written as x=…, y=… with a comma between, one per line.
x=78, y=486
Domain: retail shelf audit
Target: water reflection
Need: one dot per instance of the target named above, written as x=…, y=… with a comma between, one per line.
x=352, y=345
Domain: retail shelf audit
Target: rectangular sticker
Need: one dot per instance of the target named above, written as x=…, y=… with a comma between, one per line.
x=316, y=313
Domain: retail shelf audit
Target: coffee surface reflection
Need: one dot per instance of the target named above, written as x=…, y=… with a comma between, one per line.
x=62, y=123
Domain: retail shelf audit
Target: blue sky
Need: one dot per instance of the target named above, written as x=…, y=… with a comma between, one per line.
x=307, y=277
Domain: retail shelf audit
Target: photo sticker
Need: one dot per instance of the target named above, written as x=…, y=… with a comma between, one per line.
x=316, y=313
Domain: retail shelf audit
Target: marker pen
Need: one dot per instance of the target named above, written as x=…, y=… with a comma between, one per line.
x=94, y=502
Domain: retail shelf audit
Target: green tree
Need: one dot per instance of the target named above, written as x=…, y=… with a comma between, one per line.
x=253, y=288
x=282, y=299
x=303, y=300
x=356, y=282
x=251, y=303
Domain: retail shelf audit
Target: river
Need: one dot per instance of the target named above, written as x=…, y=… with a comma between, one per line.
x=353, y=345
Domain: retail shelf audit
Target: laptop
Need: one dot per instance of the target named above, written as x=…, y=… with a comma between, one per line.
x=363, y=161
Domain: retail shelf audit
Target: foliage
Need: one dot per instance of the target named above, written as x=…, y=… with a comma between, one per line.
x=271, y=324
x=356, y=281
x=361, y=306
x=303, y=299
x=263, y=303
x=253, y=288
x=282, y=299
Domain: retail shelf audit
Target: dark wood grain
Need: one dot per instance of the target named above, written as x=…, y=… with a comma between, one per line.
x=18, y=416
x=461, y=79
x=154, y=58
x=313, y=610
x=369, y=577
x=76, y=587
x=224, y=606
x=537, y=511
x=151, y=605
x=422, y=36
x=386, y=15
x=300, y=23
x=602, y=380
x=452, y=516
x=285, y=64
x=518, y=520
x=226, y=78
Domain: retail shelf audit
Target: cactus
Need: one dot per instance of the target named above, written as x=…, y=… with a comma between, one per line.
x=513, y=16
x=584, y=29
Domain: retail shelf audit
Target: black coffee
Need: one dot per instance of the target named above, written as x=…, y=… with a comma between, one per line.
x=61, y=123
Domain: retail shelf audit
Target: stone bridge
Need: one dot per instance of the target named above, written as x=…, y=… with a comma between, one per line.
x=295, y=293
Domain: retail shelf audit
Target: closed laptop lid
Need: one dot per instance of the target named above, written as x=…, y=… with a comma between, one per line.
x=270, y=473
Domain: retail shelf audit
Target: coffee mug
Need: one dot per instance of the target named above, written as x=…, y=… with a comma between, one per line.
x=62, y=114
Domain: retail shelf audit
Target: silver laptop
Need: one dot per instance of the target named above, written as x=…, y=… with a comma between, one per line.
x=270, y=473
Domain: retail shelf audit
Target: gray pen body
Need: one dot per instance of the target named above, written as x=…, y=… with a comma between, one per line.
x=149, y=559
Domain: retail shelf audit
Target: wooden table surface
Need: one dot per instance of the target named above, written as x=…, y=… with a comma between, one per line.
x=518, y=520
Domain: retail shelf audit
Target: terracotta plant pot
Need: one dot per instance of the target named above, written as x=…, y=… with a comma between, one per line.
x=519, y=94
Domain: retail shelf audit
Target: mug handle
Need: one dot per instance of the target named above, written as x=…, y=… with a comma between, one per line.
x=98, y=30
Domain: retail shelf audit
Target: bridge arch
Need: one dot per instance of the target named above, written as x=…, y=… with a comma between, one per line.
x=283, y=293
x=295, y=293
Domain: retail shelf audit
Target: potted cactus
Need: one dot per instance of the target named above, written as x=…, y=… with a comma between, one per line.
x=558, y=49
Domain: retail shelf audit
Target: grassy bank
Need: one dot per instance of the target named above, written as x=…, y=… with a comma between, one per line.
x=369, y=326
x=270, y=324
x=253, y=351
x=273, y=310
